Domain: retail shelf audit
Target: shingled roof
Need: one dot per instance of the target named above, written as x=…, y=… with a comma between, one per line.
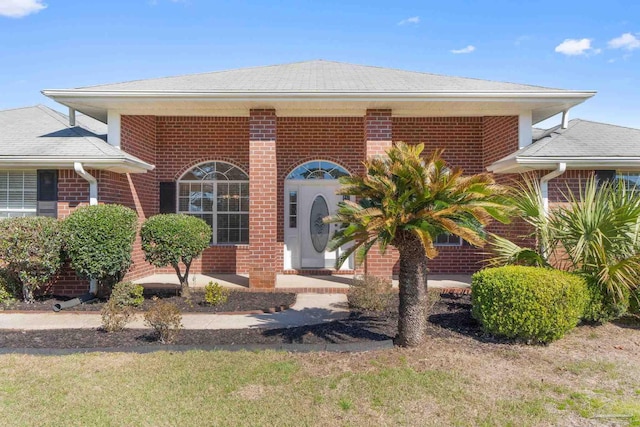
x=583, y=142
x=317, y=76
x=40, y=136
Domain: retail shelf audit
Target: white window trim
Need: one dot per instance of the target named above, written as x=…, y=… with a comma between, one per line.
x=214, y=212
x=9, y=211
x=450, y=245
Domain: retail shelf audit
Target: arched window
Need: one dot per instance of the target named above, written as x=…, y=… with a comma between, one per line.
x=217, y=192
x=318, y=169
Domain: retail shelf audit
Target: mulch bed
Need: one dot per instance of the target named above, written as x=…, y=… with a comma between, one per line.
x=237, y=302
x=450, y=316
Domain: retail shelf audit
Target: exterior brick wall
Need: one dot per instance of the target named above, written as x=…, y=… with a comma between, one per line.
x=268, y=148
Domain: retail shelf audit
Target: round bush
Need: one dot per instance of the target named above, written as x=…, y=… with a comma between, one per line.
x=30, y=249
x=533, y=304
x=169, y=239
x=99, y=241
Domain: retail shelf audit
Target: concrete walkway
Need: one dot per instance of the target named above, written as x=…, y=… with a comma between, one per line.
x=309, y=309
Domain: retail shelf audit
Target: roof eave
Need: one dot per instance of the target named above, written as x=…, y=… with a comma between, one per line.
x=258, y=96
x=525, y=164
x=113, y=165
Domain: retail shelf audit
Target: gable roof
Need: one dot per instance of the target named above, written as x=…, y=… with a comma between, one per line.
x=318, y=87
x=583, y=143
x=39, y=136
x=316, y=76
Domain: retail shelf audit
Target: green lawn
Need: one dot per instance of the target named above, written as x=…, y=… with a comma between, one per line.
x=594, y=372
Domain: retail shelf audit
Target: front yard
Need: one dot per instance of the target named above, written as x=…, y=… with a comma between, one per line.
x=591, y=377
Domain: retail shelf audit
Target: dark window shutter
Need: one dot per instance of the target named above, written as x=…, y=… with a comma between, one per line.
x=48, y=193
x=603, y=176
x=167, y=197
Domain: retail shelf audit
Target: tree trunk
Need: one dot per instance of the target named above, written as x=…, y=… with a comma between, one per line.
x=185, y=292
x=412, y=321
x=27, y=294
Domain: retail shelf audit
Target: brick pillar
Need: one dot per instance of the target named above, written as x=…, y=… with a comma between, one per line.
x=263, y=196
x=378, y=139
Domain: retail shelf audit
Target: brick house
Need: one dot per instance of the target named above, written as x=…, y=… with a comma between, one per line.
x=256, y=152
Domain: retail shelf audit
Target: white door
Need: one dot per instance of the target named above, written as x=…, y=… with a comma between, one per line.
x=316, y=202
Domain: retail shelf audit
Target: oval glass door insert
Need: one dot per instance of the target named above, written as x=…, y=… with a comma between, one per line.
x=319, y=230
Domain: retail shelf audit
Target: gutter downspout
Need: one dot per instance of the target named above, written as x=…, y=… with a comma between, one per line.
x=93, y=200
x=544, y=184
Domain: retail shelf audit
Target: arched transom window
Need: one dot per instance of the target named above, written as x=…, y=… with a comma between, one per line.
x=217, y=192
x=318, y=169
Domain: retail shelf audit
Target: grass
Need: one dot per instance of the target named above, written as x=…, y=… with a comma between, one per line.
x=447, y=381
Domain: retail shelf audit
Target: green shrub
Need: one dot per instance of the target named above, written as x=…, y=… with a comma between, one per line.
x=115, y=316
x=634, y=302
x=165, y=318
x=127, y=294
x=369, y=293
x=214, y=294
x=30, y=249
x=528, y=303
x=99, y=241
x=170, y=239
x=604, y=307
x=8, y=287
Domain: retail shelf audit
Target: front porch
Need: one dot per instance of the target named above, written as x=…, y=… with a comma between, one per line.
x=322, y=284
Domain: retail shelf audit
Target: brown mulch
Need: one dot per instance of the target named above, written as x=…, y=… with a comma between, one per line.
x=237, y=302
x=450, y=316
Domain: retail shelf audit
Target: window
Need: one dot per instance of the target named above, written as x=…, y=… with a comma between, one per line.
x=446, y=239
x=218, y=193
x=293, y=209
x=630, y=179
x=18, y=193
x=318, y=169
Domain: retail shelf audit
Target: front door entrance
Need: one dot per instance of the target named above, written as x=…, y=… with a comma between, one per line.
x=310, y=196
x=317, y=202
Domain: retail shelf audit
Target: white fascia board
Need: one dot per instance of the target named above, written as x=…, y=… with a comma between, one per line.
x=70, y=95
x=124, y=165
x=524, y=164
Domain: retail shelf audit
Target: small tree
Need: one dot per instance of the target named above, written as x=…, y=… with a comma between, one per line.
x=170, y=239
x=99, y=241
x=30, y=250
x=406, y=200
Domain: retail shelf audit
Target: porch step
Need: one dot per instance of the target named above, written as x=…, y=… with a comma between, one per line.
x=318, y=272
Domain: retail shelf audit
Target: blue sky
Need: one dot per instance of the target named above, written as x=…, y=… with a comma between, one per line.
x=572, y=45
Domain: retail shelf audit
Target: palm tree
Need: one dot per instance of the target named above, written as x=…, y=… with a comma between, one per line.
x=405, y=200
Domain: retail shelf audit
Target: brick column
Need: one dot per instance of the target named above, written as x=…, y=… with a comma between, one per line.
x=263, y=196
x=378, y=129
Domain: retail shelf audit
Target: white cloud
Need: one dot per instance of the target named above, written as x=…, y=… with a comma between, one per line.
x=573, y=47
x=20, y=8
x=467, y=49
x=413, y=20
x=626, y=41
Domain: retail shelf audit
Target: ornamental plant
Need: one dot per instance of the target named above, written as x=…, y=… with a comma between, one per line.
x=215, y=294
x=175, y=239
x=165, y=318
x=99, y=241
x=532, y=304
x=406, y=199
x=30, y=250
x=127, y=294
x=596, y=234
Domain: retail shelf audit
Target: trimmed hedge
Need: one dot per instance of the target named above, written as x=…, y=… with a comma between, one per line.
x=602, y=306
x=533, y=304
x=30, y=250
x=99, y=241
